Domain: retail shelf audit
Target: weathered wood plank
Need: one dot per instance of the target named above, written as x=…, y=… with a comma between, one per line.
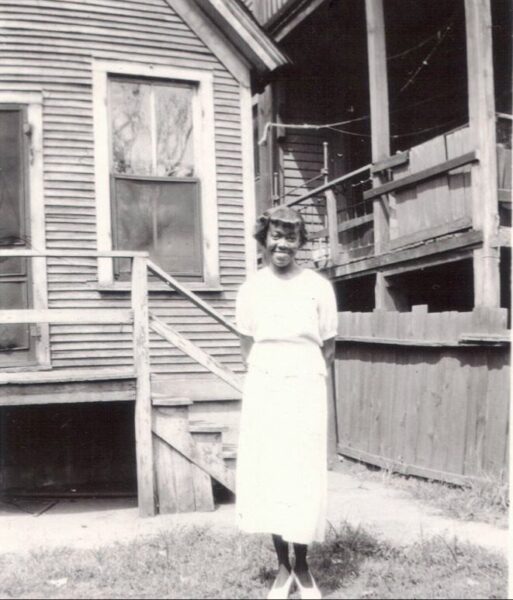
x=66, y=375
x=196, y=300
x=61, y=315
x=195, y=352
x=144, y=444
x=419, y=176
x=429, y=410
x=185, y=445
x=407, y=239
x=164, y=477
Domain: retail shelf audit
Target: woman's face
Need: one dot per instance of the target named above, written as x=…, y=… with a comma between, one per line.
x=281, y=246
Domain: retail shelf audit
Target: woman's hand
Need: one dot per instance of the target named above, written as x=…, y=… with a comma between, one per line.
x=328, y=351
x=246, y=343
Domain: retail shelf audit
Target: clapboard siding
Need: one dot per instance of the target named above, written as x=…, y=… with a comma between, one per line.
x=48, y=45
x=301, y=158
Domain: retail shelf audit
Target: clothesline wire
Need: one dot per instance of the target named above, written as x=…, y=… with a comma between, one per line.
x=425, y=62
x=316, y=127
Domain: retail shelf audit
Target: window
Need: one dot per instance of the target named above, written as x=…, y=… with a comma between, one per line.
x=155, y=169
x=156, y=197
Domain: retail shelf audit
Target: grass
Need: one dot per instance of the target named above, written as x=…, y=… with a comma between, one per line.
x=200, y=563
x=486, y=500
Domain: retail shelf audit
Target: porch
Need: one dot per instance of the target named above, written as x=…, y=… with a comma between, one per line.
x=423, y=201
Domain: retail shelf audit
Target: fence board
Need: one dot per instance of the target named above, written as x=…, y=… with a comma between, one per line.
x=440, y=410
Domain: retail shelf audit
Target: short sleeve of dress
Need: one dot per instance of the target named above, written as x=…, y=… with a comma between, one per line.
x=243, y=311
x=328, y=316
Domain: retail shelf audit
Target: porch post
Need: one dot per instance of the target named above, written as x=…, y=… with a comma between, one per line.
x=143, y=431
x=380, y=133
x=481, y=108
x=266, y=149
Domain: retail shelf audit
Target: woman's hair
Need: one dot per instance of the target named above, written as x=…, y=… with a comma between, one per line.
x=279, y=215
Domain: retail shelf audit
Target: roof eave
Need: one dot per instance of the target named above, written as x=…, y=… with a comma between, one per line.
x=245, y=33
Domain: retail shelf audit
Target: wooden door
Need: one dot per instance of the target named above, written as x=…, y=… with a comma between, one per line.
x=16, y=341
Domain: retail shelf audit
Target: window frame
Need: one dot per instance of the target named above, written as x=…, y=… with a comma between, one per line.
x=31, y=105
x=205, y=164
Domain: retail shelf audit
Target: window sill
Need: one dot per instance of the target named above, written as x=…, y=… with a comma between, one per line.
x=126, y=286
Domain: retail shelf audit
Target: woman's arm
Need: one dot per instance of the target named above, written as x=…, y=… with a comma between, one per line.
x=246, y=343
x=328, y=351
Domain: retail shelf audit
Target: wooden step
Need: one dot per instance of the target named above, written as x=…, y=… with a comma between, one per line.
x=206, y=427
x=166, y=400
x=199, y=388
x=202, y=449
x=229, y=451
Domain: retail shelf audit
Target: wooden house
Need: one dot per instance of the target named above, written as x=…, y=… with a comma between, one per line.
x=391, y=133
x=126, y=206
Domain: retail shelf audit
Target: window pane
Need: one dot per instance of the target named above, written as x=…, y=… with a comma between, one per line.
x=168, y=223
x=130, y=110
x=11, y=190
x=173, y=116
x=13, y=337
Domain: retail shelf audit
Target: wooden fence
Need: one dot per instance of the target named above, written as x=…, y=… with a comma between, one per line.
x=425, y=393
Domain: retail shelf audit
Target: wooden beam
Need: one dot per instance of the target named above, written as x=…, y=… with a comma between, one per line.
x=409, y=180
x=250, y=40
x=481, y=108
x=429, y=234
x=331, y=213
x=396, y=160
x=405, y=469
x=464, y=341
x=67, y=315
x=329, y=185
x=182, y=343
x=65, y=376
x=71, y=253
x=198, y=387
x=196, y=300
x=266, y=150
x=466, y=240
x=143, y=436
x=434, y=260
x=344, y=226
x=380, y=129
x=283, y=23
x=486, y=339
x=71, y=397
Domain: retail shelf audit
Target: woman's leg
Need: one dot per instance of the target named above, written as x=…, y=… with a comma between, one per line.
x=284, y=568
x=301, y=566
x=282, y=552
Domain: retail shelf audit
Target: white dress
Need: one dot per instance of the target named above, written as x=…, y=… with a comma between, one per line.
x=282, y=454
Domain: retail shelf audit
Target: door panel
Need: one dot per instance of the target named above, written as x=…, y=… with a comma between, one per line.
x=16, y=342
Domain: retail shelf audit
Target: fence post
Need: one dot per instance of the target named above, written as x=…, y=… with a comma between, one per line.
x=143, y=434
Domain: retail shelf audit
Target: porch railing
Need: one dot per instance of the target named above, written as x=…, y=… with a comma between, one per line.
x=338, y=218
x=141, y=319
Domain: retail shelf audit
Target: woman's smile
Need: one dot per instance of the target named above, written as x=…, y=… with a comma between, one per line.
x=282, y=246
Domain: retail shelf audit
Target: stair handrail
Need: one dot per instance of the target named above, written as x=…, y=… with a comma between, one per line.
x=328, y=185
x=194, y=298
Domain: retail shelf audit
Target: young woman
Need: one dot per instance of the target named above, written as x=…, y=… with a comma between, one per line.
x=287, y=318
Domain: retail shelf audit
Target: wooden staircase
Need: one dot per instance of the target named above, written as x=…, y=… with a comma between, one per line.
x=188, y=456
x=178, y=453
x=188, y=453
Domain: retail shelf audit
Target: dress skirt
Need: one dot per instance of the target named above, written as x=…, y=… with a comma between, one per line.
x=282, y=456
